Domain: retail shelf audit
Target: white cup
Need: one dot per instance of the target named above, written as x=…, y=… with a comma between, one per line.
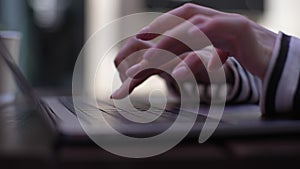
x=11, y=40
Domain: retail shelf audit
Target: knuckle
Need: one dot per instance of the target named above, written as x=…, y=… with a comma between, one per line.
x=243, y=21
x=191, y=55
x=193, y=59
x=132, y=41
x=189, y=6
x=132, y=44
x=216, y=23
x=197, y=19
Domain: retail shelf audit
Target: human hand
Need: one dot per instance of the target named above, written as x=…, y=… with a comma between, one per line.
x=231, y=35
x=132, y=53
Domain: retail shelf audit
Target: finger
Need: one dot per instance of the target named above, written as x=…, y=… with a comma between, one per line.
x=124, y=89
x=165, y=50
x=129, y=55
x=178, y=41
x=155, y=66
x=131, y=83
x=217, y=60
x=222, y=31
x=172, y=18
x=128, y=62
x=127, y=87
x=160, y=57
x=132, y=45
x=193, y=66
x=122, y=67
x=171, y=84
x=137, y=68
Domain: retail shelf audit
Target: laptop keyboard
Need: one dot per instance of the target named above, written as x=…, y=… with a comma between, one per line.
x=168, y=114
x=164, y=118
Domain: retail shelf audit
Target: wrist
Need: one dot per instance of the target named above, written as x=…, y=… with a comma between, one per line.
x=267, y=51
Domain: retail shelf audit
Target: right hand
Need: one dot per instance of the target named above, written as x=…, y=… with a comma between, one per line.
x=132, y=53
x=231, y=35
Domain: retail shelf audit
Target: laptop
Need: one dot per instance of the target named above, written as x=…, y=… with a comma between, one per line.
x=61, y=115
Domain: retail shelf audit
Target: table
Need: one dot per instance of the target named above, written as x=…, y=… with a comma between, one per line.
x=25, y=142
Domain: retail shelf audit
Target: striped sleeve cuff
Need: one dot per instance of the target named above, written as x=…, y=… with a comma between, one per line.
x=246, y=87
x=281, y=93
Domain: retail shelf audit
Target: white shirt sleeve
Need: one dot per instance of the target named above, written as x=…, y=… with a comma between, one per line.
x=281, y=86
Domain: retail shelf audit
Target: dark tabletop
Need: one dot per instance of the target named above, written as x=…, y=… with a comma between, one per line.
x=26, y=142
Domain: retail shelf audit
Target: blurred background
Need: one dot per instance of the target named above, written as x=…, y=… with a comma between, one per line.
x=54, y=31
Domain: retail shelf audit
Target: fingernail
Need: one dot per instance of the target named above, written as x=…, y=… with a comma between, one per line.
x=146, y=34
x=131, y=72
x=115, y=94
x=180, y=73
x=141, y=34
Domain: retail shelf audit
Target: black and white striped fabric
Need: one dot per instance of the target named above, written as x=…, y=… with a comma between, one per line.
x=246, y=87
x=279, y=93
x=281, y=88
